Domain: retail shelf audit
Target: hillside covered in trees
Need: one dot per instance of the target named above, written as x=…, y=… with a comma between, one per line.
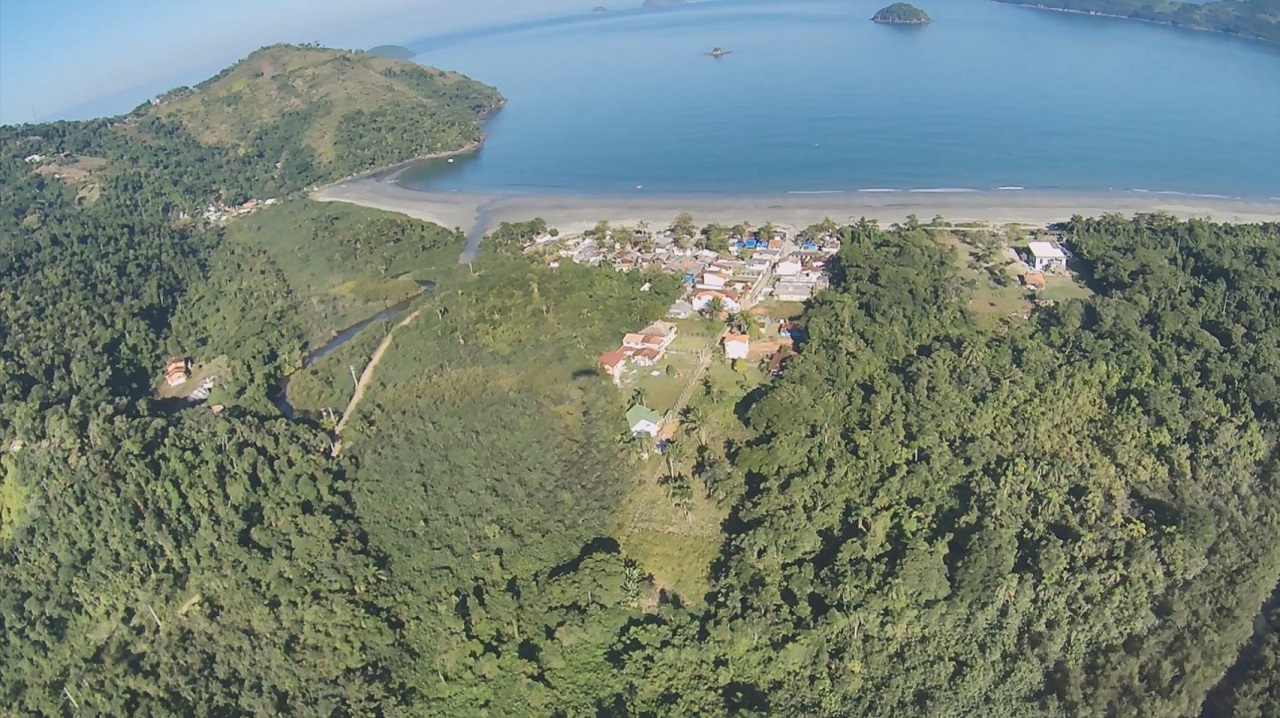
x=926, y=513
x=1259, y=19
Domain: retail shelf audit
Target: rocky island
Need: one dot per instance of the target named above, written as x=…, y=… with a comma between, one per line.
x=719, y=52
x=901, y=13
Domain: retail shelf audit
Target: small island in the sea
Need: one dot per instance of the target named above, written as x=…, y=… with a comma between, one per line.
x=901, y=13
x=394, y=52
x=599, y=10
x=718, y=52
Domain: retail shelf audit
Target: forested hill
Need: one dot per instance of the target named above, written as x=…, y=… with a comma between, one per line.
x=337, y=111
x=1258, y=19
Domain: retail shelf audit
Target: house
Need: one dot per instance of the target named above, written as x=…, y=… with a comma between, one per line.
x=666, y=331
x=711, y=280
x=788, y=267
x=647, y=356
x=644, y=420
x=613, y=362
x=32, y=159
x=177, y=370
x=793, y=291
x=736, y=346
x=1047, y=256
x=702, y=297
x=1034, y=281
x=778, y=360
x=680, y=310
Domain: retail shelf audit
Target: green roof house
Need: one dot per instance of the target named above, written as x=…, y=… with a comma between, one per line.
x=644, y=420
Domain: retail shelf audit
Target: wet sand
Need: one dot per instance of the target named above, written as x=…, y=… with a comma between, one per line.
x=478, y=213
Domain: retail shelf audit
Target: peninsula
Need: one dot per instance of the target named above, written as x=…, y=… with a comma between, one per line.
x=901, y=13
x=1255, y=19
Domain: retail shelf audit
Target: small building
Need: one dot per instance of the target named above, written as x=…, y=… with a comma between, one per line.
x=778, y=360
x=644, y=420
x=1047, y=256
x=736, y=346
x=612, y=362
x=1034, y=281
x=703, y=297
x=666, y=331
x=647, y=356
x=793, y=291
x=177, y=370
x=788, y=267
x=711, y=280
x=680, y=310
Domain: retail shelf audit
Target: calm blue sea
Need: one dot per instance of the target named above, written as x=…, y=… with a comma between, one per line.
x=816, y=98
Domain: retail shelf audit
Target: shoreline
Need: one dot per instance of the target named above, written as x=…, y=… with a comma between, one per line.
x=1160, y=23
x=477, y=213
x=390, y=173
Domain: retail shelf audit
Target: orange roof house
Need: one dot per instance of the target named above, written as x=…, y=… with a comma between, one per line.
x=1034, y=280
x=177, y=370
x=613, y=362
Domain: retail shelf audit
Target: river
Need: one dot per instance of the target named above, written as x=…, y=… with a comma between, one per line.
x=344, y=336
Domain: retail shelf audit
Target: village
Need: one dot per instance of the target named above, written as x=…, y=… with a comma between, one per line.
x=737, y=315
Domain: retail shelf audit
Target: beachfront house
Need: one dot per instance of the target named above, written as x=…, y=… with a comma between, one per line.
x=644, y=420
x=1047, y=257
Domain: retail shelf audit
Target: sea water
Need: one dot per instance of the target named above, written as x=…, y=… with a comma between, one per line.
x=815, y=98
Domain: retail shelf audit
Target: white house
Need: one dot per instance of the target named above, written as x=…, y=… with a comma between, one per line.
x=701, y=298
x=788, y=267
x=1047, y=256
x=736, y=346
x=793, y=291
x=710, y=280
x=644, y=420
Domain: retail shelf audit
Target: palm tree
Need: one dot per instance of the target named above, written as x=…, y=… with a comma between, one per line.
x=714, y=308
x=695, y=421
x=675, y=454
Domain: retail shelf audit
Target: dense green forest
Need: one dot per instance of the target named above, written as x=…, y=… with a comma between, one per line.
x=927, y=513
x=1258, y=19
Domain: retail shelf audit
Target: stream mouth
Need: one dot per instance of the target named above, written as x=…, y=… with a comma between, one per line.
x=346, y=335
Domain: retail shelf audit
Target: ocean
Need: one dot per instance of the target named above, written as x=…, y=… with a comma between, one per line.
x=815, y=98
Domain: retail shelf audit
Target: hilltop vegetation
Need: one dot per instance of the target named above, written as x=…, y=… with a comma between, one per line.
x=340, y=112
x=1258, y=19
x=901, y=13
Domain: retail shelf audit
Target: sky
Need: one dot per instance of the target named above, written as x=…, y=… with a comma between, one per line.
x=81, y=58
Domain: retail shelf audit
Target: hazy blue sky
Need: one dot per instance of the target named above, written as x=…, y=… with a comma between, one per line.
x=80, y=57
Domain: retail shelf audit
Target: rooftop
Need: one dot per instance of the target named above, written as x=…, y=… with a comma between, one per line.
x=639, y=413
x=1046, y=250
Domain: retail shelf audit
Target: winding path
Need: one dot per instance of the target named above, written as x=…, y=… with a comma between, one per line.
x=365, y=376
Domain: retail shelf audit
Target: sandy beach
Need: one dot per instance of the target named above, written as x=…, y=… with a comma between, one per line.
x=477, y=213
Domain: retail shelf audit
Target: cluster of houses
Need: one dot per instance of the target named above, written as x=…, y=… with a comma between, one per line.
x=644, y=348
x=799, y=267
x=221, y=212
